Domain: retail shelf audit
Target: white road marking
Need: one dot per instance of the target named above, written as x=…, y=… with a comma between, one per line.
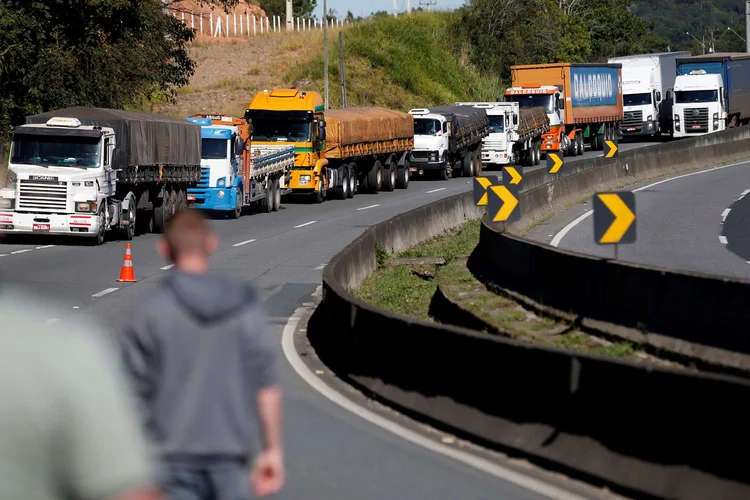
x=436, y=190
x=367, y=208
x=243, y=243
x=51, y=321
x=45, y=246
x=725, y=213
x=723, y=240
x=21, y=251
x=320, y=267
x=559, y=236
x=745, y=193
x=306, y=224
x=105, y=292
x=3, y=254
x=167, y=268
x=497, y=470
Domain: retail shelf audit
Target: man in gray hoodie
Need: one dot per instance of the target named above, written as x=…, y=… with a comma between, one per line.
x=200, y=354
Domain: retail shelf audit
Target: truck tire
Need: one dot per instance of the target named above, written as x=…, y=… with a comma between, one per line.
x=389, y=177
x=352, y=176
x=478, y=161
x=181, y=200
x=277, y=195
x=266, y=203
x=468, y=164
x=237, y=212
x=127, y=232
x=444, y=172
x=375, y=177
x=342, y=192
x=404, y=175
x=160, y=215
x=101, y=235
x=320, y=193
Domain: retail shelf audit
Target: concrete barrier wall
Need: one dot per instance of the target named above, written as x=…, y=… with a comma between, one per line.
x=643, y=429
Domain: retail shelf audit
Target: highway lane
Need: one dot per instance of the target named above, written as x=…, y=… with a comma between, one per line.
x=332, y=453
x=680, y=223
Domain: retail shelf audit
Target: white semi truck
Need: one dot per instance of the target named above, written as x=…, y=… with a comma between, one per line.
x=647, y=84
x=515, y=134
x=86, y=171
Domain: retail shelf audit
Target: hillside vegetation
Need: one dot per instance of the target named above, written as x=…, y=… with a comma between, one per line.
x=401, y=63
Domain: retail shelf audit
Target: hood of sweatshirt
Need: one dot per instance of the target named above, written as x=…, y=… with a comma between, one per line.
x=210, y=297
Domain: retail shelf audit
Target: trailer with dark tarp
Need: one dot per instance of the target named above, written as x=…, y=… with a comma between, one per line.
x=89, y=171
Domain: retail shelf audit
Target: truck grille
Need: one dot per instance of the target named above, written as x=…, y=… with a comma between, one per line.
x=632, y=121
x=205, y=178
x=696, y=120
x=46, y=196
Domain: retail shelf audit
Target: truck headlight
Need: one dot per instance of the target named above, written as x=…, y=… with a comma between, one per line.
x=304, y=179
x=6, y=203
x=86, y=206
x=434, y=156
x=677, y=122
x=650, y=118
x=716, y=121
x=222, y=182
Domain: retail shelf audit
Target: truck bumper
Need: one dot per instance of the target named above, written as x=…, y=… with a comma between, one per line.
x=417, y=164
x=220, y=199
x=86, y=225
x=303, y=182
x=495, y=158
x=645, y=128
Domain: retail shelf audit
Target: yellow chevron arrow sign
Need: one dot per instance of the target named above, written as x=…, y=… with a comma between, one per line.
x=501, y=204
x=610, y=149
x=621, y=228
x=515, y=176
x=481, y=184
x=554, y=162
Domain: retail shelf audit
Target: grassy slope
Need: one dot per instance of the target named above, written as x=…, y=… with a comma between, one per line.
x=400, y=63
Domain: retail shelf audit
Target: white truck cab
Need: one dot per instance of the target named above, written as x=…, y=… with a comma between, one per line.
x=641, y=98
x=431, y=136
x=700, y=104
x=497, y=147
x=59, y=175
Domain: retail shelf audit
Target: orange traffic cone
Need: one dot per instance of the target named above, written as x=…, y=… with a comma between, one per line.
x=126, y=274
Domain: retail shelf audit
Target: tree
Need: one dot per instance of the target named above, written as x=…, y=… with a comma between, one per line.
x=301, y=8
x=104, y=53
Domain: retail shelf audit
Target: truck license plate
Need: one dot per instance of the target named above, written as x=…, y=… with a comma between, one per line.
x=630, y=129
x=40, y=227
x=696, y=126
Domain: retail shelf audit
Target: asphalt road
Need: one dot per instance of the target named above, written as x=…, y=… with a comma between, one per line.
x=680, y=224
x=331, y=453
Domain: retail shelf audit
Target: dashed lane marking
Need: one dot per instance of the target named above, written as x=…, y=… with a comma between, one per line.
x=725, y=213
x=723, y=240
x=51, y=321
x=367, y=208
x=167, y=268
x=105, y=292
x=241, y=243
x=436, y=190
x=25, y=250
x=744, y=193
x=306, y=224
x=45, y=246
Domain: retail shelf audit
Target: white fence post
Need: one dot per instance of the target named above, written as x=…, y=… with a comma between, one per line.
x=262, y=27
x=234, y=17
x=200, y=20
x=255, y=26
x=268, y=25
x=211, y=24
x=247, y=22
x=242, y=30
x=218, y=26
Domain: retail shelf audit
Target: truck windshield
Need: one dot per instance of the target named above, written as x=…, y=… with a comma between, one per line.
x=636, y=99
x=497, y=124
x=690, y=96
x=426, y=126
x=214, y=149
x=82, y=152
x=282, y=131
x=534, y=101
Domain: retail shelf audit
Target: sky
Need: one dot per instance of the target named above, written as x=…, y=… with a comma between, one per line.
x=364, y=7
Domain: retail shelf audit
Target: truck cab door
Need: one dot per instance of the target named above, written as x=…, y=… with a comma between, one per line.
x=110, y=176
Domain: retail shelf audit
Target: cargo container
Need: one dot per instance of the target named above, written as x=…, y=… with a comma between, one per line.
x=448, y=140
x=88, y=171
x=366, y=148
x=583, y=102
x=647, y=86
x=711, y=93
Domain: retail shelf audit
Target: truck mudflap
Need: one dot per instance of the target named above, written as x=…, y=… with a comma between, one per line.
x=86, y=225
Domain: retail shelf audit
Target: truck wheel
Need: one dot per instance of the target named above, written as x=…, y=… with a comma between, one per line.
x=404, y=175
x=160, y=215
x=375, y=177
x=181, y=200
x=128, y=232
x=320, y=194
x=342, y=192
x=237, y=212
x=277, y=195
x=266, y=203
x=468, y=164
x=477, y=161
x=102, y=233
x=352, y=176
x=389, y=180
x=444, y=171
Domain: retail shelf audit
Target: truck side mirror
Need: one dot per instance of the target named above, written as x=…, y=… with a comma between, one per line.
x=515, y=119
x=239, y=145
x=726, y=95
x=560, y=103
x=658, y=96
x=669, y=94
x=321, y=132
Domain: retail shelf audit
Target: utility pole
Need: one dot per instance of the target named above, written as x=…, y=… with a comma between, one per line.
x=325, y=48
x=747, y=26
x=395, y=8
x=342, y=69
x=408, y=6
x=289, y=16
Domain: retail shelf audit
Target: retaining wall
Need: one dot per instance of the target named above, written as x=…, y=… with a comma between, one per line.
x=647, y=430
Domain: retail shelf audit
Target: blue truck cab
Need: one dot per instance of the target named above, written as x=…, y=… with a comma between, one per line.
x=220, y=186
